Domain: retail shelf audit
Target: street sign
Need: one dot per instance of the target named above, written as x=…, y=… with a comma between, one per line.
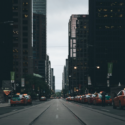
x=22, y=82
x=89, y=81
x=12, y=75
x=12, y=81
x=6, y=85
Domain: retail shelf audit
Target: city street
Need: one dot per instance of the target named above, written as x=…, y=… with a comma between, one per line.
x=61, y=112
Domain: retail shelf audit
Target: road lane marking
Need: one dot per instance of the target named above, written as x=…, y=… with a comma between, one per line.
x=105, y=110
x=57, y=116
x=14, y=110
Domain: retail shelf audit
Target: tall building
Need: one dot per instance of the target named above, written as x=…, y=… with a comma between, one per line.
x=6, y=43
x=106, y=40
x=22, y=37
x=78, y=53
x=39, y=36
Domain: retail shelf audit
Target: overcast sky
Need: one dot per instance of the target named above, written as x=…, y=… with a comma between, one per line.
x=58, y=15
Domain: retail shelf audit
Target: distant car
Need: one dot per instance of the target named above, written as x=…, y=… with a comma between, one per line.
x=119, y=100
x=43, y=98
x=29, y=100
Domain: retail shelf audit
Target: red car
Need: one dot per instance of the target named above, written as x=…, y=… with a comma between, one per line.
x=90, y=99
x=29, y=100
x=119, y=100
x=85, y=98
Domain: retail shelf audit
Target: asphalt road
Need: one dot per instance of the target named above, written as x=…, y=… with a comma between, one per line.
x=60, y=112
x=107, y=108
x=7, y=109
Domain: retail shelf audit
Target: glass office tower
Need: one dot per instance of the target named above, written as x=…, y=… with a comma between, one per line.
x=39, y=36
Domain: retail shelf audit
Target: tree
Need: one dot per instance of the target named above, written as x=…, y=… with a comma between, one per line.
x=64, y=91
x=39, y=85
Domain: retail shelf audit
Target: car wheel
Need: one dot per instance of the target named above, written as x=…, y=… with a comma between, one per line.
x=114, y=107
x=120, y=106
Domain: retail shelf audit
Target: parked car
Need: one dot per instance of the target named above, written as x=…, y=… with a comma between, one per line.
x=90, y=99
x=15, y=100
x=29, y=100
x=18, y=99
x=71, y=99
x=97, y=99
x=119, y=100
x=85, y=98
x=43, y=98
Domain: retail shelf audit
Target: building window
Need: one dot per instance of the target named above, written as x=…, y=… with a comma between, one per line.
x=121, y=4
x=15, y=26
x=25, y=63
x=74, y=40
x=25, y=10
x=74, y=54
x=15, y=1
x=121, y=15
x=74, y=45
x=15, y=38
x=25, y=52
x=25, y=70
x=25, y=3
x=25, y=40
x=15, y=13
x=25, y=15
x=15, y=50
x=15, y=32
x=84, y=27
x=25, y=22
x=25, y=34
x=25, y=46
x=15, y=44
x=105, y=15
x=25, y=28
x=70, y=52
x=15, y=56
x=15, y=7
x=25, y=58
x=15, y=20
x=105, y=10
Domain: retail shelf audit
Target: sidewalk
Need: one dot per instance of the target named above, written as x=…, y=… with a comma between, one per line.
x=4, y=104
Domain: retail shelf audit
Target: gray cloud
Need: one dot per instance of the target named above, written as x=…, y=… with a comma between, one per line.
x=58, y=15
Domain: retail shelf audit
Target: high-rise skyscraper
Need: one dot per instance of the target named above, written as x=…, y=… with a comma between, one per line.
x=22, y=37
x=6, y=43
x=78, y=53
x=39, y=36
x=106, y=40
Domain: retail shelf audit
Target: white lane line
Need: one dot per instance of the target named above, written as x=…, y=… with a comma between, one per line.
x=14, y=110
x=105, y=110
x=57, y=116
x=57, y=109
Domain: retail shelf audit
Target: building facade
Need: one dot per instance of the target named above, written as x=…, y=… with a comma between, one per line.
x=106, y=53
x=22, y=37
x=39, y=36
x=6, y=42
x=78, y=53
